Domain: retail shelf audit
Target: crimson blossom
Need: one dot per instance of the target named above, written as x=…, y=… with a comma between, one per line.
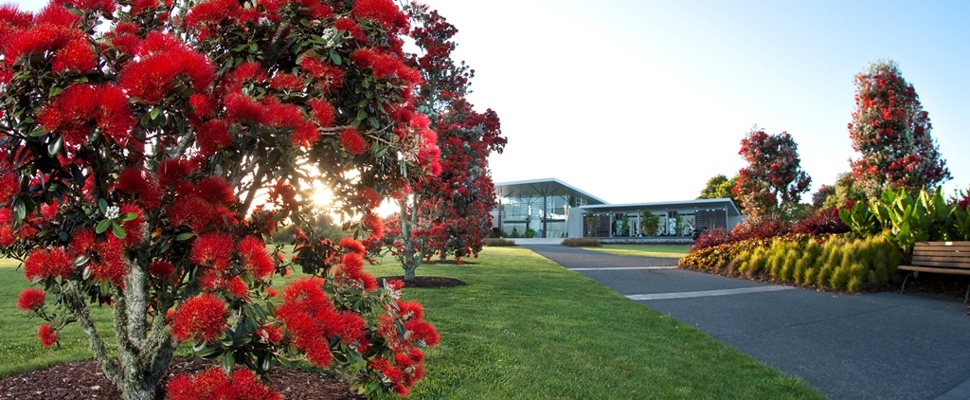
x=149, y=149
x=449, y=213
x=891, y=132
x=773, y=182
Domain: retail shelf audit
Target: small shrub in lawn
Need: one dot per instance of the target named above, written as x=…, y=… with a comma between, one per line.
x=498, y=242
x=581, y=242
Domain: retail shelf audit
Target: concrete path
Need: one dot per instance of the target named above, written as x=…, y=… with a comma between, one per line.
x=875, y=346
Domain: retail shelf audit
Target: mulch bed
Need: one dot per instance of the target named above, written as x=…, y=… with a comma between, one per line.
x=427, y=281
x=84, y=380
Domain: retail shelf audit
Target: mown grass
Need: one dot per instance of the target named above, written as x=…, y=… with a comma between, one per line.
x=523, y=328
x=646, y=250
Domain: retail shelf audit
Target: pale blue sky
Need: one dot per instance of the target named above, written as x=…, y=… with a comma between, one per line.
x=645, y=100
x=637, y=101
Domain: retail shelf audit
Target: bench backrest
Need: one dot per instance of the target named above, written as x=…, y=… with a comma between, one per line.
x=942, y=254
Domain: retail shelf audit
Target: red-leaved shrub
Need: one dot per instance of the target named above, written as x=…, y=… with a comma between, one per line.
x=819, y=222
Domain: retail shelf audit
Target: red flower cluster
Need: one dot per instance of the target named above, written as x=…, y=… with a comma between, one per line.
x=163, y=62
x=213, y=251
x=213, y=136
x=43, y=263
x=255, y=259
x=215, y=384
x=30, y=299
x=352, y=266
x=385, y=65
x=47, y=335
x=83, y=107
x=134, y=182
x=384, y=12
x=202, y=318
x=353, y=141
x=330, y=77
x=198, y=205
x=407, y=366
x=312, y=320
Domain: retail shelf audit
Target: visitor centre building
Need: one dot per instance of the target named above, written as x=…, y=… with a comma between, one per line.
x=551, y=208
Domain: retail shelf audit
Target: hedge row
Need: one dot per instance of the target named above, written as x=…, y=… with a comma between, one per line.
x=832, y=261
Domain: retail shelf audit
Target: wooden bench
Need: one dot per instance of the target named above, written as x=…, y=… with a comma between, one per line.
x=940, y=258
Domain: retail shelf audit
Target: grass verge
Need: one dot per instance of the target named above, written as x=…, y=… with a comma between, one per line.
x=646, y=250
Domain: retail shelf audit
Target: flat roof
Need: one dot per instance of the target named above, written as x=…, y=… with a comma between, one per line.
x=723, y=202
x=543, y=187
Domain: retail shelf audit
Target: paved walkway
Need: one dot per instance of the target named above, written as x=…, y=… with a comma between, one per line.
x=874, y=346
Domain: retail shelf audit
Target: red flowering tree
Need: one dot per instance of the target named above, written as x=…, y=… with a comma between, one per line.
x=447, y=214
x=891, y=132
x=773, y=182
x=150, y=148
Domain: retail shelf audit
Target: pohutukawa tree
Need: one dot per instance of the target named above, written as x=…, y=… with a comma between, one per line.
x=891, y=132
x=447, y=214
x=773, y=182
x=149, y=149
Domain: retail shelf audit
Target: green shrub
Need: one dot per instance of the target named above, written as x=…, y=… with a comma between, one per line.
x=810, y=274
x=839, y=278
x=498, y=242
x=788, y=268
x=802, y=266
x=581, y=242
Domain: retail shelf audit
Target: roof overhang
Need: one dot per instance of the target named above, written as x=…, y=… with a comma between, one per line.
x=700, y=204
x=541, y=188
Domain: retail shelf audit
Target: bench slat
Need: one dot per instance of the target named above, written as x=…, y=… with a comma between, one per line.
x=937, y=270
x=942, y=245
x=942, y=264
x=917, y=259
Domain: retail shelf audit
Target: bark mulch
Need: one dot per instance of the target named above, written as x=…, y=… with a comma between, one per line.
x=84, y=379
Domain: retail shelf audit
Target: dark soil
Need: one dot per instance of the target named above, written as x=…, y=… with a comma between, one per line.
x=427, y=281
x=84, y=380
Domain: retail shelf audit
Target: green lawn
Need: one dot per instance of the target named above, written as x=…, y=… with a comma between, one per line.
x=526, y=328
x=523, y=328
x=645, y=250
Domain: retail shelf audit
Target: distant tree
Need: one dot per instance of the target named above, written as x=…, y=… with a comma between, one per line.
x=823, y=193
x=891, y=132
x=773, y=182
x=720, y=187
x=447, y=214
x=846, y=192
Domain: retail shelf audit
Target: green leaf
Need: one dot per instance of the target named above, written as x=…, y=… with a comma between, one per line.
x=335, y=58
x=102, y=226
x=19, y=212
x=103, y=206
x=156, y=111
x=118, y=231
x=128, y=216
x=228, y=361
x=55, y=147
x=185, y=236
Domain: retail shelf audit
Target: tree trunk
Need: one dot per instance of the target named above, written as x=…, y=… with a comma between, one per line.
x=408, y=220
